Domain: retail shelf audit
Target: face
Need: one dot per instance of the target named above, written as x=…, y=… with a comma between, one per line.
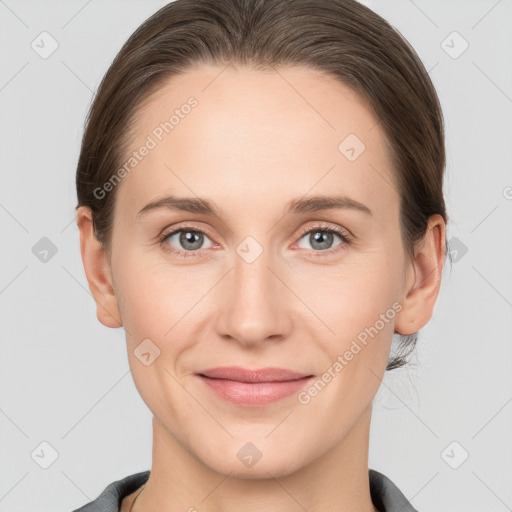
x=270, y=277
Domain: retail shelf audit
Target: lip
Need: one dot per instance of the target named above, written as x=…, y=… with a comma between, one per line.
x=253, y=388
x=246, y=375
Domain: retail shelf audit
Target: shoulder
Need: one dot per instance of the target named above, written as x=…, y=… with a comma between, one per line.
x=386, y=496
x=110, y=498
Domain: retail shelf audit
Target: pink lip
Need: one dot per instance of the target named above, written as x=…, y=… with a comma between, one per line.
x=253, y=388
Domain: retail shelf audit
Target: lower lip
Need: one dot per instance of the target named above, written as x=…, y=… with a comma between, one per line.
x=254, y=394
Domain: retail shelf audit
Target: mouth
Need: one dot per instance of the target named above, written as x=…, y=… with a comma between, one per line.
x=253, y=388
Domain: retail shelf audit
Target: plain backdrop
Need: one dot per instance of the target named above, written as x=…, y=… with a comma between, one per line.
x=71, y=419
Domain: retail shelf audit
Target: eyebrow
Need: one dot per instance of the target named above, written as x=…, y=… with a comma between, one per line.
x=295, y=206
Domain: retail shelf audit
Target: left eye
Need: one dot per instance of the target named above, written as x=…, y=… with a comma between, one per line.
x=322, y=238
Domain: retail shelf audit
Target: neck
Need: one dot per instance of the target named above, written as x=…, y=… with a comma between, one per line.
x=336, y=481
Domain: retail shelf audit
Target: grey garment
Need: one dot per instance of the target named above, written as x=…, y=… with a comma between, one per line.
x=385, y=495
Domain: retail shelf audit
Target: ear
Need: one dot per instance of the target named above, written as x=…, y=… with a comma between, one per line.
x=423, y=279
x=97, y=270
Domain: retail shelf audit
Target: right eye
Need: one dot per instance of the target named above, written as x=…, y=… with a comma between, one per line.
x=190, y=239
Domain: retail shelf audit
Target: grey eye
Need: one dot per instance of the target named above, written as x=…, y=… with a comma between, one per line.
x=189, y=240
x=320, y=239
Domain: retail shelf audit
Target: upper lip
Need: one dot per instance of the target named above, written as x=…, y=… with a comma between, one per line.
x=246, y=375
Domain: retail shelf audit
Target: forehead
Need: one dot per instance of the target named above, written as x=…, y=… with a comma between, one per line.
x=245, y=136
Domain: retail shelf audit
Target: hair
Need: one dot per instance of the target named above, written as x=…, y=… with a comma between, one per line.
x=341, y=38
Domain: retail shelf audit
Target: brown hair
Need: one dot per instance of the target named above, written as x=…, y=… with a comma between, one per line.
x=342, y=38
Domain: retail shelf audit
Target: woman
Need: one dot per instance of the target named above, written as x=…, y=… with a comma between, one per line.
x=260, y=206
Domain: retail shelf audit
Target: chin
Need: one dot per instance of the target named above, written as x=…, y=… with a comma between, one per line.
x=253, y=461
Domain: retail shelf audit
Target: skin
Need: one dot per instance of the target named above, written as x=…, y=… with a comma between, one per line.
x=255, y=141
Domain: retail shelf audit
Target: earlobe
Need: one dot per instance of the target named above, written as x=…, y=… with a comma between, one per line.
x=97, y=271
x=424, y=279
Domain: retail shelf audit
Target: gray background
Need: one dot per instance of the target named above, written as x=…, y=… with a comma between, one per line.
x=64, y=377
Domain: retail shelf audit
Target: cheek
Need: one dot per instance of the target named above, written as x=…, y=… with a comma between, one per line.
x=358, y=302
x=157, y=316
x=154, y=295
x=354, y=295
x=163, y=315
x=360, y=309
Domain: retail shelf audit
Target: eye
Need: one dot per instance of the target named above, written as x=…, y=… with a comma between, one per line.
x=321, y=239
x=190, y=238
x=187, y=241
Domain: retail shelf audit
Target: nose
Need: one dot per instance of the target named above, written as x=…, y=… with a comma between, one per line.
x=254, y=301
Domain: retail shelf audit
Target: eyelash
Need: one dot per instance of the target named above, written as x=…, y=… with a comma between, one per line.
x=344, y=236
